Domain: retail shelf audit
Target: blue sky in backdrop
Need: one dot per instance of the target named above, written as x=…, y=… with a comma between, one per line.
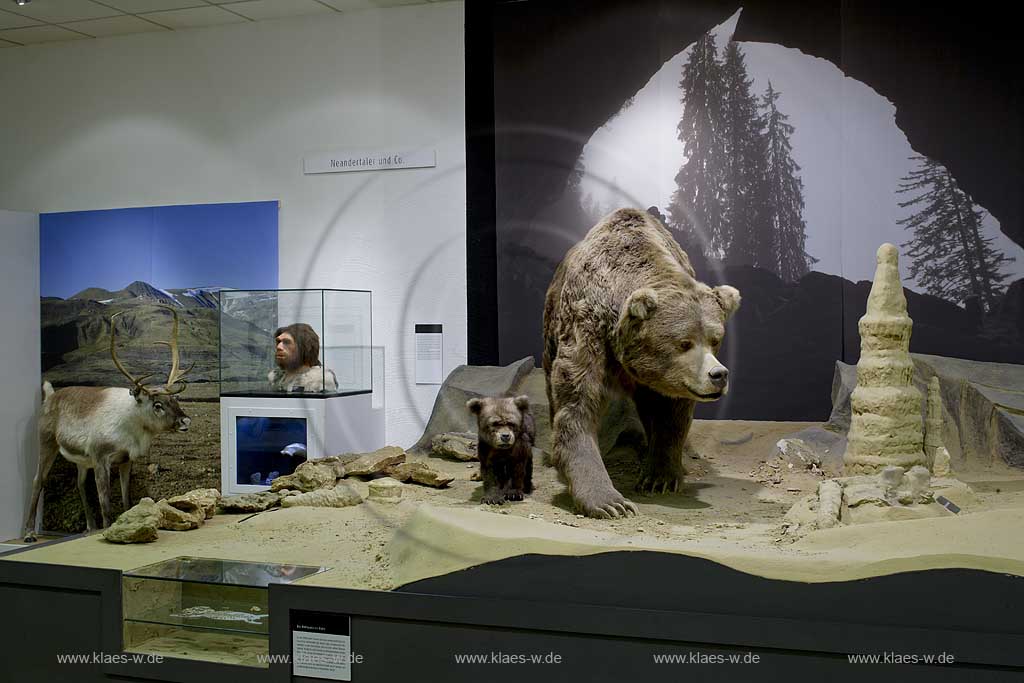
x=170, y=247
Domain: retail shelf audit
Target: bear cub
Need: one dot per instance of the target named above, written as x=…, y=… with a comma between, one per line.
x=506, y=434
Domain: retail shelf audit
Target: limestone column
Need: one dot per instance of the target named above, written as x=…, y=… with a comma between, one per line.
x=885, y=428
x=933, y=423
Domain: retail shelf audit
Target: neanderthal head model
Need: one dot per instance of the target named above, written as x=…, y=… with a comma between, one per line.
x=296, y=347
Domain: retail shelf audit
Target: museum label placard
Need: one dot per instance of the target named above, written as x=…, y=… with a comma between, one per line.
x=348, y=161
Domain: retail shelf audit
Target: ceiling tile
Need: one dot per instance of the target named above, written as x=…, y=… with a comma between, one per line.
x=192, y=18
x=275, y=9
x=40, y=34
x=140, y=6
x=114, y=26
x=12, y=20
x=60, y=11
x=396, y=3
x=348, y=5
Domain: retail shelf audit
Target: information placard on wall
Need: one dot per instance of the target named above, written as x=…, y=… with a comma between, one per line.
x=429, y=354
x=347, y=161
x=321, y=645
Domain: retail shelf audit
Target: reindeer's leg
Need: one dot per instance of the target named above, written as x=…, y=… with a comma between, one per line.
x=47, y=456
x=83, y=472
x=124, y=471
x=102, y=472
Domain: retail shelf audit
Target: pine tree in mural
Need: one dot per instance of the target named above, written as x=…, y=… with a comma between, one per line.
x=745, y=156
x=784, y=198
x=950, y=257
x=697, y=206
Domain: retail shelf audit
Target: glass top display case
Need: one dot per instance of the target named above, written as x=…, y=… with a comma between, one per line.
x=203, y=608
x=310, y=342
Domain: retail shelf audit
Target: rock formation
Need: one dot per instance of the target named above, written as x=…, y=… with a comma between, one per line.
x=455, y=445
x=342, y=495
x=309, y=476
x=933, y=423
x=386, y=490
x=197, y=500
x=885, y=427
x=136, y=525
x=252, y=502
x=375, y=463
x=420, y=473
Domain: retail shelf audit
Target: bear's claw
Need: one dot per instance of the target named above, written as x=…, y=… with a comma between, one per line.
x=611, y=509
x=664, y=483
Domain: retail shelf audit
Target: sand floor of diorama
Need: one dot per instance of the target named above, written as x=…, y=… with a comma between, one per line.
x=729, y=511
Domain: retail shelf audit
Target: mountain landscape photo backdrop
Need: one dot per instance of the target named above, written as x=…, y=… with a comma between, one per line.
x=138, y=262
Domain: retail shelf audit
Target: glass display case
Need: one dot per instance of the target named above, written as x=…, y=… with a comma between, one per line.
x=203, y=608
x=302, y=341
x=296, y=371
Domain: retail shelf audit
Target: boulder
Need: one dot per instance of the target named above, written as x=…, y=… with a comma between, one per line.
x=204, y=500
x=378, y=462
x=176, y=519
x=460, y=446
x=814, y=447
x=386, y=490
x=342, y=495
x=420, y=473
x=309, y=476
x=136, y=525
x=251, y=502
x=466, y=382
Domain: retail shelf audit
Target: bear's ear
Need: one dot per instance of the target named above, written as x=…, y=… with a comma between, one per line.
x=729, y=298
x=474, y=405
x=642, y=303
x=522, y=402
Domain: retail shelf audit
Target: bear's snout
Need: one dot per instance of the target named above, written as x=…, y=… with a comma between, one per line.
x=505, y=438
x=719, y=376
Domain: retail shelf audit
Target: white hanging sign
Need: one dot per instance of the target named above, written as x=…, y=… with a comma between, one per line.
x=429, y=354
x=368, y=160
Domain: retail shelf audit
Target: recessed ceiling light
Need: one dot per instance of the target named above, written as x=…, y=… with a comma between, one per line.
x=21, y=3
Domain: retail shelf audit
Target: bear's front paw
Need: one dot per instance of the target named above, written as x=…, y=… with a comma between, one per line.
x=514, y=494
x=660, y=482
x=605, y=504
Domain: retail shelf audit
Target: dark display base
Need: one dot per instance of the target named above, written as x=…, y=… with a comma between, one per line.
x=612, y=617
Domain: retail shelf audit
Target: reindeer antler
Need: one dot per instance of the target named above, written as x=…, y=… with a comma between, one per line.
x=136, y=381
x=175, y=375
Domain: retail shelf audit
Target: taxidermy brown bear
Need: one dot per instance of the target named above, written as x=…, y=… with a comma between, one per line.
x=506, y=434
x=625, y=312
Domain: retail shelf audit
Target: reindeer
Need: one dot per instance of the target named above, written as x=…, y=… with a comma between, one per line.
x=98, y=427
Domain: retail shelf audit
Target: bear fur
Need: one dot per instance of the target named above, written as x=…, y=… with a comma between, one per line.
x=505, y=429
x=626, y=313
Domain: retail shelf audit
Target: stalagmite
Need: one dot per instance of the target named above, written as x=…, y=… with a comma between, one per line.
x=933, y=425
x=885, y=428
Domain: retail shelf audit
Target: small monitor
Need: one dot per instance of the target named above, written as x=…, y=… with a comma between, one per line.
x=268, y=447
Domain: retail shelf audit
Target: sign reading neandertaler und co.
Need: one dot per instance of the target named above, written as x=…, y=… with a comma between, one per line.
x=368, y=160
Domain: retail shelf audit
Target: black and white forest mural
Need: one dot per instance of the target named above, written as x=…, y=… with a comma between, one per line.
x=781, y=175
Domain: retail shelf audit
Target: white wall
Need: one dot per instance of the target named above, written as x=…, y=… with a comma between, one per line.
x=20, y=393
x=226, y=114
